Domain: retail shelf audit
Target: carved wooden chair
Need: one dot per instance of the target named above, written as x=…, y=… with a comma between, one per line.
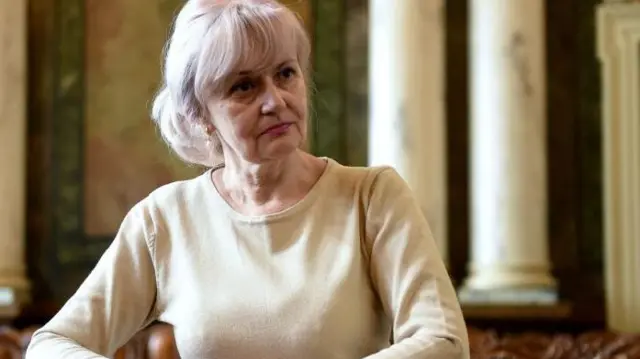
x=156, y=342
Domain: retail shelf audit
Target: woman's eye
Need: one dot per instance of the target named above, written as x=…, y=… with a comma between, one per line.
x=287, y=72
x=242, y=86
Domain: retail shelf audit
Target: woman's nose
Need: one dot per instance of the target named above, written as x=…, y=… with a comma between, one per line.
x=272, y=100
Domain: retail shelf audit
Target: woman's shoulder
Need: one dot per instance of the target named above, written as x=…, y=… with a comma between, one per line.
x=180, y=189
x=368, y=175
x=366, y=178
x=175, y=196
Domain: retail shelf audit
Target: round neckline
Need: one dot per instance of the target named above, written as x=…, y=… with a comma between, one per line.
x=303, y=203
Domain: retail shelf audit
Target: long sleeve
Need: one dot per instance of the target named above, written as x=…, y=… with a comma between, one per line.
x=112, y=304
x=410, y=277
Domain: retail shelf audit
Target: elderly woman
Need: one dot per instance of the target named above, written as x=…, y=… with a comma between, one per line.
x=272, y=253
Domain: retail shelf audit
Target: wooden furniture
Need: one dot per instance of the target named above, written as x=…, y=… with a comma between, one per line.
x=157, y=342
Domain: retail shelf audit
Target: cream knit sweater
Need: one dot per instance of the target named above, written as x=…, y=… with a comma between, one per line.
x=327, y=278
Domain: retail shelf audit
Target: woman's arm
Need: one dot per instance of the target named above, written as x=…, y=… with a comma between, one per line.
x=410, y=277
x=114, y=302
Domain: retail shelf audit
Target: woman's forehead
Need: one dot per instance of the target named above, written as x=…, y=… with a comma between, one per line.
x=264, y=53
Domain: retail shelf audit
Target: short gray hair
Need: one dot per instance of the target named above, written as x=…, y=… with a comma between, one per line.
x=211, y=39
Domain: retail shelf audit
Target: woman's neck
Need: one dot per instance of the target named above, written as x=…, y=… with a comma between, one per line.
x=269, y=186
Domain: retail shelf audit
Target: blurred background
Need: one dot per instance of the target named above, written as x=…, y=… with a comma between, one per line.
x=516, y=122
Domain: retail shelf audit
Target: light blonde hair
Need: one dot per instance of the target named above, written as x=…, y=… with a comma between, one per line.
x=211, y=39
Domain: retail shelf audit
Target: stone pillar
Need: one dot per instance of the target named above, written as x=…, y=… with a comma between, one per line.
x=406, y=103
x=619, y=52
x=510, y=260
x=13, y=124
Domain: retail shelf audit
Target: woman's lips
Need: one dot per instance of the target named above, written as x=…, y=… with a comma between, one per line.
x=277, y=130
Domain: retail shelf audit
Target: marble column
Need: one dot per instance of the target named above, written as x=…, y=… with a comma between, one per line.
x=509, y=259
x=406, y=104
x=618, y=39
x=13, y=123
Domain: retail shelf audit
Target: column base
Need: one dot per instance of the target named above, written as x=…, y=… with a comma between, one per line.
x=510, y=285
x=510, y=276
x=509, y=296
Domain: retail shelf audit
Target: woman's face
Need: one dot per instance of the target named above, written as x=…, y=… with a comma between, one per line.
x=261, y=115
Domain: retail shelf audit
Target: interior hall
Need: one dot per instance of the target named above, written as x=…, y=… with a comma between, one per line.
x=516, y=123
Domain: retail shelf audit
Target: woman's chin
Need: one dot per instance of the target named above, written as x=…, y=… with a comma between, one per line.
x=282, y=147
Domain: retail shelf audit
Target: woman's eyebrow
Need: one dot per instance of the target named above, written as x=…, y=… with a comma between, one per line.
x=286, y=62
x=250, y=72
